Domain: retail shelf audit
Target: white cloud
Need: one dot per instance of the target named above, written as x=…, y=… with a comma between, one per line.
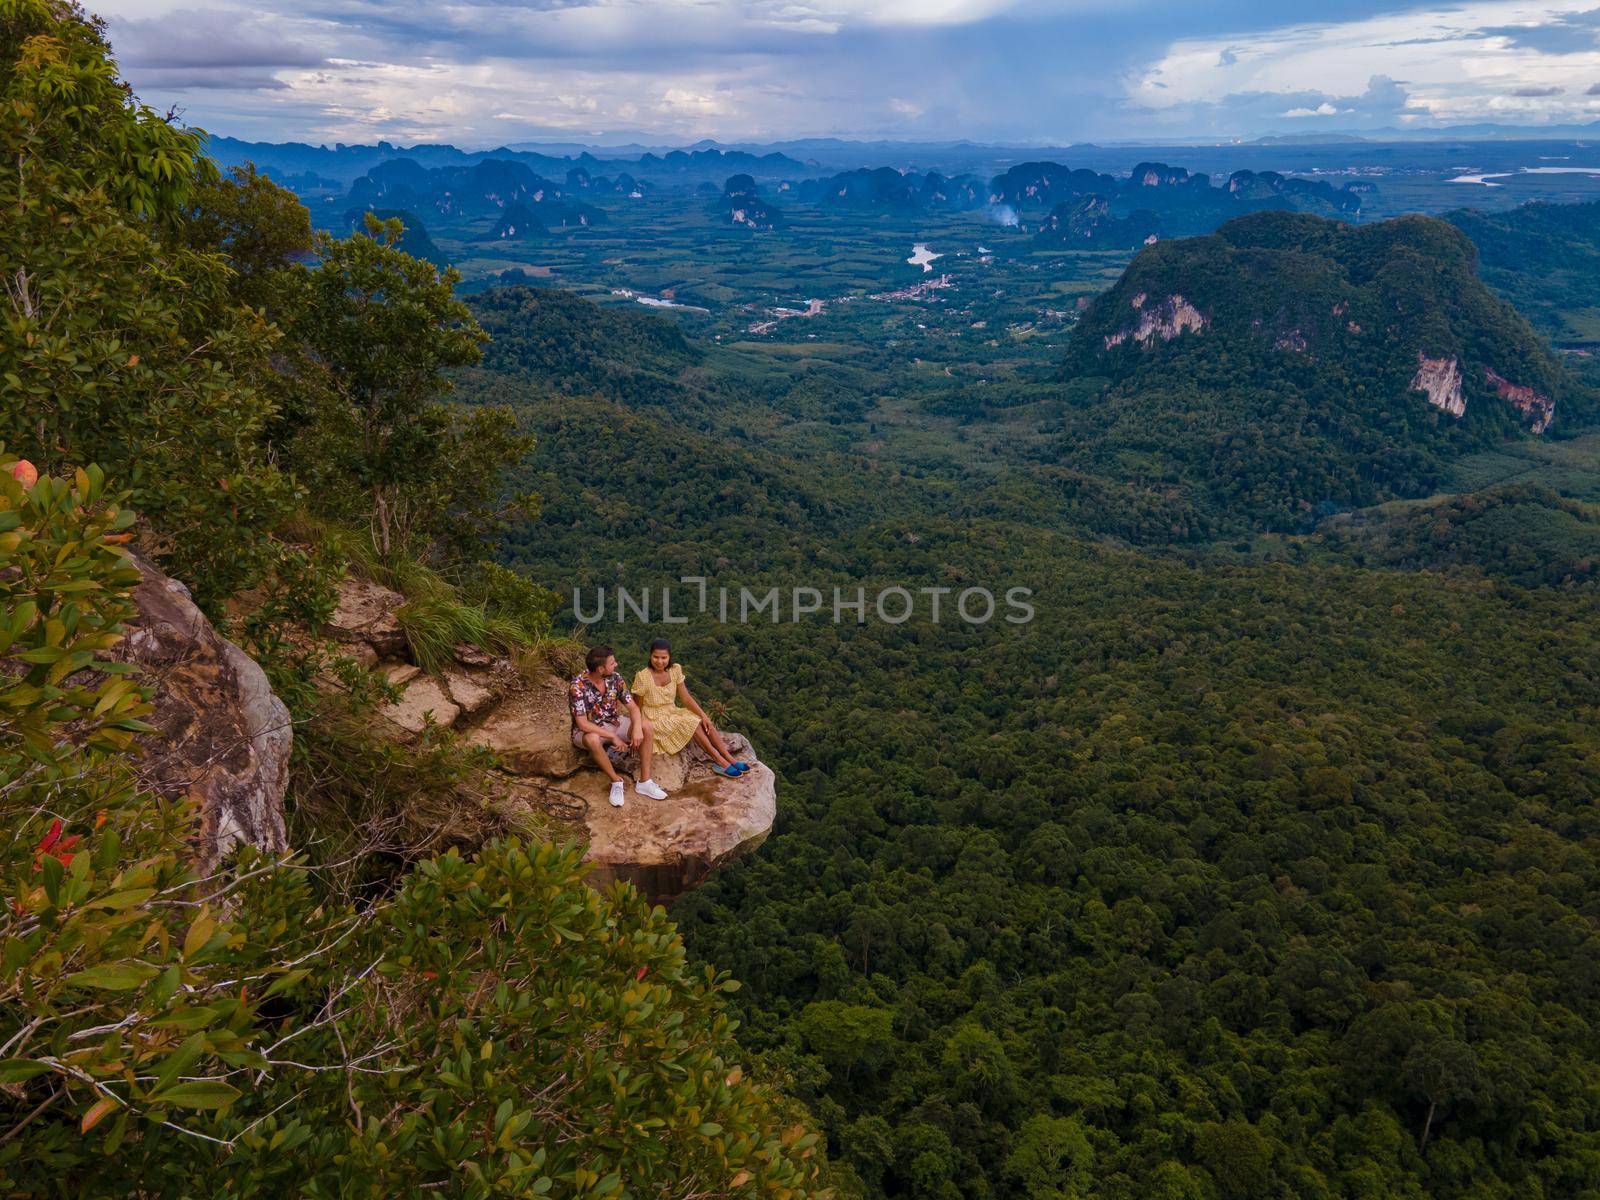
x=836, y=14
x=479, y=72
x=1458, y=63
x=472, y=70
x=700, y=104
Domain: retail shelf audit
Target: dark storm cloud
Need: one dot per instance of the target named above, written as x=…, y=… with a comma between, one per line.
x=1566, y=33
x=586, y=33
x=183, y=79
x=192, y=38
x=1383, y=102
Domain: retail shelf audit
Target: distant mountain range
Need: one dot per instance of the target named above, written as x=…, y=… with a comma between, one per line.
x=1174, y=200
x=1181, y=202
x=308, y=167
x=951, y=174
x=520, y=191
x=344, y=164
x=885, y=187
x=485, y=188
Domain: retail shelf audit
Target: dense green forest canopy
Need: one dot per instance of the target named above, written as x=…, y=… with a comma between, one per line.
x=1528, y=533
x=1222, y=877
x=1544, y=258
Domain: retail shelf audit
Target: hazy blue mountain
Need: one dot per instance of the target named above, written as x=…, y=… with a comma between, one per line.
x=517, y=223
x=742, y=204
x=1186, y=202
x=716, y=162
x=485, y=188
x=1088, y=224
x=886, y=187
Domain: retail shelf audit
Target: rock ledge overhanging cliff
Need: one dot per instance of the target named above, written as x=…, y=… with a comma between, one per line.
x=665, y=847
x=223, y=740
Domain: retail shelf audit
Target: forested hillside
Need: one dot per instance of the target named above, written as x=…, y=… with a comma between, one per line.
x=1544, y=258
x=1528, y=533
x=1288, y=366
x=1216, y=879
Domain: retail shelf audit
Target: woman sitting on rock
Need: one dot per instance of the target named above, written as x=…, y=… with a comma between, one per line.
x=658, y=688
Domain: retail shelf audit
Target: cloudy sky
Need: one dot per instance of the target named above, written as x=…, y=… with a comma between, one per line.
x=488, y=72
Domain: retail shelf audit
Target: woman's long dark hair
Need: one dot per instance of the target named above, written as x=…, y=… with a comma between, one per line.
x=663, y=644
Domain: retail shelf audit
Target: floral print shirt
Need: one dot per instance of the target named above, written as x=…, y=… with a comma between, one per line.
x=602, y=705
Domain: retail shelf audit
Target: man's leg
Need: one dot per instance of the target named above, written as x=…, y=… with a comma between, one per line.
x=597, y=748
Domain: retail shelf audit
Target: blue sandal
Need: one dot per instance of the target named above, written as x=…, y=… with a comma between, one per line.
x=741, y=766
x=725, y=772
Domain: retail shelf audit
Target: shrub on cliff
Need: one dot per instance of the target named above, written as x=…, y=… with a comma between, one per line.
x=114, y=1013
x=495, y=1028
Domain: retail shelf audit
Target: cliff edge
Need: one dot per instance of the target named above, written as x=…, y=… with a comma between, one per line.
x=664, y=848
x=223, y=740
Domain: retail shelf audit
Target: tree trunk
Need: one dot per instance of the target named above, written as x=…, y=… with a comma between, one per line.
x=380, y=513
x=1427, y=1127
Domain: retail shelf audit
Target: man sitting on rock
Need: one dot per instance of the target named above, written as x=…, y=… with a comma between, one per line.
x=597, y=698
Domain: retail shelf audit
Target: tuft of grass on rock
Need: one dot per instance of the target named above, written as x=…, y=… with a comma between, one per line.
x=435, y=624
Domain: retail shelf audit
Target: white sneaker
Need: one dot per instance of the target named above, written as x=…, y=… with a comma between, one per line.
x=616, y=794
x=649, y=787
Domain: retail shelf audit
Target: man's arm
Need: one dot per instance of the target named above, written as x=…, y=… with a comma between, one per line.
x=635, y=723
x=587, y=726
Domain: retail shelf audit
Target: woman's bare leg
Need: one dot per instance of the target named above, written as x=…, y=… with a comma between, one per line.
x=710, y=731
x=647, y=749
x=717, y=756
